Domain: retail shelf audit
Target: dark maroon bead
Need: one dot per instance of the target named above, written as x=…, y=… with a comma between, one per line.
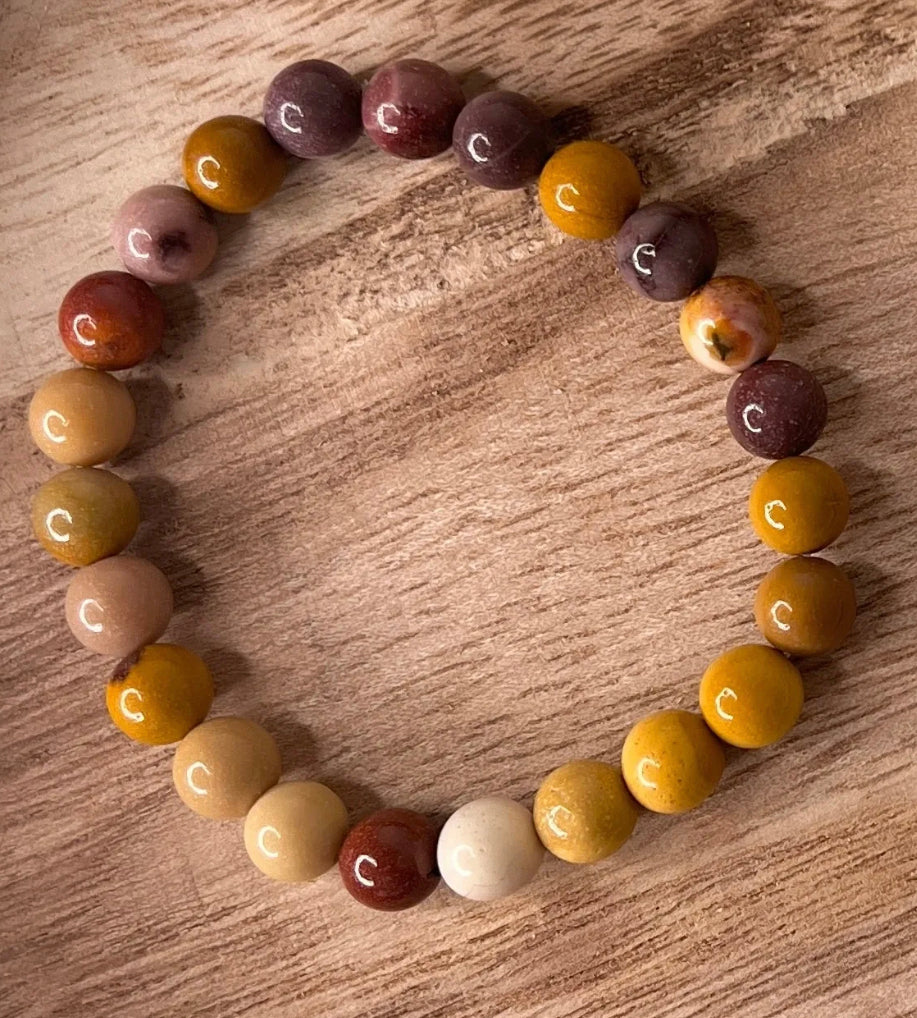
x=666, y=251
x=312, y=109
x=409, y=108
x=776, y=409
x=388, y=860
x=501, y=140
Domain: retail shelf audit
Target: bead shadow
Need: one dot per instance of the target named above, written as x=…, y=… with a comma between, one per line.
x=360, y=800
x=154, y=399
x=296, y=742
x=800, y=312
x=184, y=319
x=228, y=667
x=736, y=234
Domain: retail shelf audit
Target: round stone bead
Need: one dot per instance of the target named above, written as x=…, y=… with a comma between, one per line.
x=312, y=109
x=672, y=761
x=222, y=766
x=82, y=417
x=584, y=812
x=488, y=849
x=666, y=251
x=501, y=140
x=82, y=515
x=409, y=108
x=233, y=164
x=118, y=604
x=588, y=188
x=293, y=832
x=751, y=696
x=799, y=505
x=805, y=606
x=388, y=860
x=729, y=324
x=159, y=693
x=776, y=409
x=163, y=234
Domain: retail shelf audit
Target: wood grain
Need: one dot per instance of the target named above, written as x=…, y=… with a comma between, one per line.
x=445, y=505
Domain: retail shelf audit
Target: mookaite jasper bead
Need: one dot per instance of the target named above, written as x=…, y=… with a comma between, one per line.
x=584, y=812
x=312, y=109
x=163, y=234
x=805, y=606
x=488, y=849
x=751, y=696
x=159, y=693
x=409, y=108
x=293, y=832
x=588, y=188
x=666, y=251
x=730, y=324
x=388, y=860
x=118, y=604
x=501, y=140
x=82, y=515
x=672, y=761
x=221, y=767
x=233, y=164
x=82, y=417
x=799, y=505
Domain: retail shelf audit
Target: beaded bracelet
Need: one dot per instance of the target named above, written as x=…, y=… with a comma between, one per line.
x=230, y=767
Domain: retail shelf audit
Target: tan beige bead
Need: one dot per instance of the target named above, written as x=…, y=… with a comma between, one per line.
x=223, y=766
x=82, y=417
x=295, y=830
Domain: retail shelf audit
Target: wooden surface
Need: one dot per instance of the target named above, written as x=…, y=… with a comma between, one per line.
x=445, y=505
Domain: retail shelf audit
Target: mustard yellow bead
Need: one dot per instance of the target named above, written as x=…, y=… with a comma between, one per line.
x=799, y=505
x=584, y=812
x=751, y=696
x=671, y=761
x=588, y=189
x=159, y=694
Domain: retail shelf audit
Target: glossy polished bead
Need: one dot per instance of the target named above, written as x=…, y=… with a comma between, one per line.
x=730, y=324
x=159, y=693
x=388, y=860
x=488, y=849
x=118, y=604
x=799, y=505
x=82, y=417
x=293, y=832
x=588, y=188
x=163, y=234
x=410, y=107
x=672, y=761
x=233, y=164
x=501, y=140
x=665, y=251
x=751, y=696
x=776, y=409
x=312, y=109
x=584, y=812
x=82, y=515
x=805, y=606
x=222, y=766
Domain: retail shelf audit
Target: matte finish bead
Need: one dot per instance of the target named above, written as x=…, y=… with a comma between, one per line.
x=118, y=604
x=293, y=832
x=501, y=140
x=672, y=761
x=159, y=693
x=82, y=417
x=312, y=109
x=776, y=409
x=805, y=606
x=799, y=505
x=388, y=860
x=82, y=515
x=666, y=251
x=163, y=234
x=223, y=766
x=584, y=812
x=410, y=107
